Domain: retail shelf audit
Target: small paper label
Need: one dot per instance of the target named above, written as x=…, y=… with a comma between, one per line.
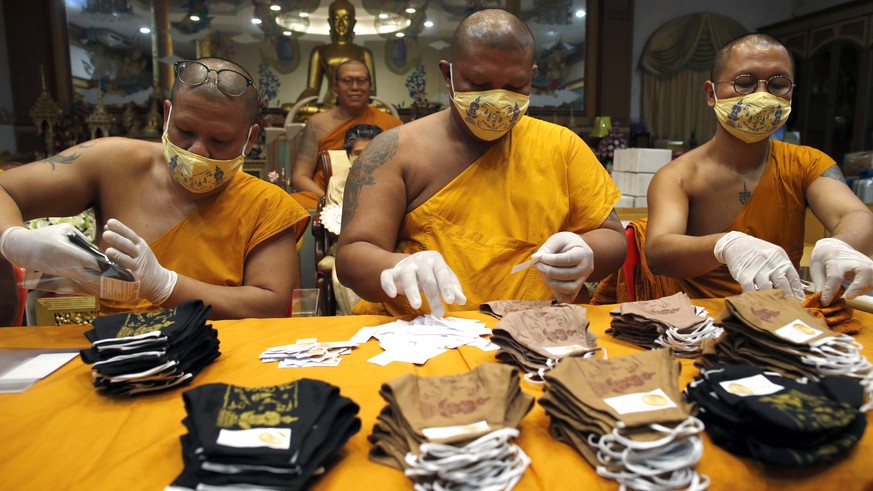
x=640, y=402
x=450, y=432
x=524, y=265
x=797, y=331
x=563, y=350
x=756, y=385
x=119, y=290
x=278, y=438
x=307, y=341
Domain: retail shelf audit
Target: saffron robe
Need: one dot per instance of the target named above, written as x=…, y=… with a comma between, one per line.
x=212, y=243
x=776, y=212
x=538, y=180
x=334, y=140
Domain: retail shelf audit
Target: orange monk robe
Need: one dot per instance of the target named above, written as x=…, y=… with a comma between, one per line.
x=776, y=212
x=538, y=180
x=212, y=243
x=334, y=140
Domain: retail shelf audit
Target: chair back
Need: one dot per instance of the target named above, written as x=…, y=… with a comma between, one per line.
x=334, y=163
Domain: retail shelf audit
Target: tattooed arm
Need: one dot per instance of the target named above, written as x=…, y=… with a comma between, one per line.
x=373, y=207
x=840, y=211
x=307, y=158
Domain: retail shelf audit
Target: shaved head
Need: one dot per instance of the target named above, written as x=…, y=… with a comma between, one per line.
x=755, y=39
x=493, y=29
x=210, y=90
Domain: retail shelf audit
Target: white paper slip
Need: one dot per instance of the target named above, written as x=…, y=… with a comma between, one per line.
x=524, y=265
x=32, y=368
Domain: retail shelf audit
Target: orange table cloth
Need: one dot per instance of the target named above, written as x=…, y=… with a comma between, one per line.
x=62, y=434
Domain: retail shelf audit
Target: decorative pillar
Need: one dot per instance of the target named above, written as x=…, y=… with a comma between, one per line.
x=204, y=46
x=162, y=46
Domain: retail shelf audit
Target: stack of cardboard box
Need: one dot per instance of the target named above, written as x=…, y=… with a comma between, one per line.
x=633, y=169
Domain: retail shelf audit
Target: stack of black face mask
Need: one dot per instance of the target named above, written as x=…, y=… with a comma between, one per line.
x=626, y=417
x=776, y=420
x=454, y=431
x=134, y=353
x=267, y=438
x=536, y=338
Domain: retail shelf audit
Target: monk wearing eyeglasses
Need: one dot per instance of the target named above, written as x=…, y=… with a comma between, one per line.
x=327, y=130
x=729, y=215
x=178, y=214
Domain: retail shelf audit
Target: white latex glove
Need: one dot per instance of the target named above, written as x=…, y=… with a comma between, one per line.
x=757, y=264
x=833, y=261
x=424, y=271
x=565, y=261
x=49, y=250
x=132, y=252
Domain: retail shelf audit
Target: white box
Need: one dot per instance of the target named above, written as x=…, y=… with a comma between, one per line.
x=625, y=202
x=641, y=159
x=640, y=202
x=632, y=183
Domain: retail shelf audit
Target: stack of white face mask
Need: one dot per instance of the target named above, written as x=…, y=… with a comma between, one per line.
x=668, y=322
x=454, y=431
x=626, y=417
x=773, y=331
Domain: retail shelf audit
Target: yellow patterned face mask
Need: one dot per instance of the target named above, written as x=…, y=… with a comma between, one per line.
x=197, y=173
x=489, y=114
x=752, y=117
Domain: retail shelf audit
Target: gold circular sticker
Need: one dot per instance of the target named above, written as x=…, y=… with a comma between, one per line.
x=655, y=400
x=803, y=329
x=735, y=388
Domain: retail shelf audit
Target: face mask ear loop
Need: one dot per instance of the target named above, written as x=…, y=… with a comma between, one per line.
x=245, y=143
x=169, y=115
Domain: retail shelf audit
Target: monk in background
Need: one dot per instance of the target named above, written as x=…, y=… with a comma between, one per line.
x=327, y=130
x=449, y=203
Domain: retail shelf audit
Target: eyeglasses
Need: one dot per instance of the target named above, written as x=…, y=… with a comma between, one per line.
x=229, y=82
x=349, y=81
x=746, y=84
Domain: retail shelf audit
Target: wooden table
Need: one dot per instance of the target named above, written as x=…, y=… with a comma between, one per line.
x=62, y=434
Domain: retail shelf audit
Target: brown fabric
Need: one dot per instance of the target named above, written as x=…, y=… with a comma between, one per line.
x=838, y=315
x=499, y=308
x=646, y=285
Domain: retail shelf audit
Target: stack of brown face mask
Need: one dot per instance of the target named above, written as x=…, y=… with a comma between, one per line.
x=668, y=322
x=535, y=339
x=627, y=418
x=773, y=419
x=774, y=332
x=453, y=431
x=499, y=308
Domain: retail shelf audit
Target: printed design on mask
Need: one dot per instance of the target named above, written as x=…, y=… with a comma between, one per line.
x=143, y=322
x=451, y=395
x=813, y=413
x=488, y=116
x=258, y=407
x=765, y=314
x=753, y=117
x=617, y=376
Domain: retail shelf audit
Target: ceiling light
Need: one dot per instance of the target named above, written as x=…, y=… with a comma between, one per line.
x=428, y=23
x=304, y=14
x=194, y=18
x=410, y=10
x=275, y=8
x=580, y=13
x=383, y=15
x=256, y=21
x=399, y=34
x=287, y=33
x=145, y=30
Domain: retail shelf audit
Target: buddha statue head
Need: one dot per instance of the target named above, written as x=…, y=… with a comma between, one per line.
x=341, y=17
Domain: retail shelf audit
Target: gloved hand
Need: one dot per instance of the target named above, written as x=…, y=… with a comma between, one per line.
x=132, y=252
x=757, y=264
x=833, y=261
x=565, y=261
x=49, y=250
x=424, y=271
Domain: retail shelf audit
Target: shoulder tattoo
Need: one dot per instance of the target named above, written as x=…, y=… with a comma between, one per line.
x=309, y=140
x=60, y=159
x=835, y=173
x=379, y=151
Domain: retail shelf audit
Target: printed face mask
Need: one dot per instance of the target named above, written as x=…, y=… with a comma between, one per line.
x=752, y=117
x=196, y=173
x=489, y=114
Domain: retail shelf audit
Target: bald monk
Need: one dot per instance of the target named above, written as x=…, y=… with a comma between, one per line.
x=178, y=214
x=449, y=203
x=728, y=216
x=327, y=130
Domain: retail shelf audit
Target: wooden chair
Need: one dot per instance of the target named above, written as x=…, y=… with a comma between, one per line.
x=332, y=161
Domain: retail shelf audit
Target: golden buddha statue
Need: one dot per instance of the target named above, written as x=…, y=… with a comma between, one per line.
x=325, y=58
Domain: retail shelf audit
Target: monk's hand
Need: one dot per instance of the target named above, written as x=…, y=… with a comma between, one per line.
x=129, y=250
x=50, y=251
x=757, y=264
x=425, y=271
x=565, y=261
x=833, y=261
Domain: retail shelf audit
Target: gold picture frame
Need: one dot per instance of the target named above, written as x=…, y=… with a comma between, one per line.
x=257, y=168
x=60, y=311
